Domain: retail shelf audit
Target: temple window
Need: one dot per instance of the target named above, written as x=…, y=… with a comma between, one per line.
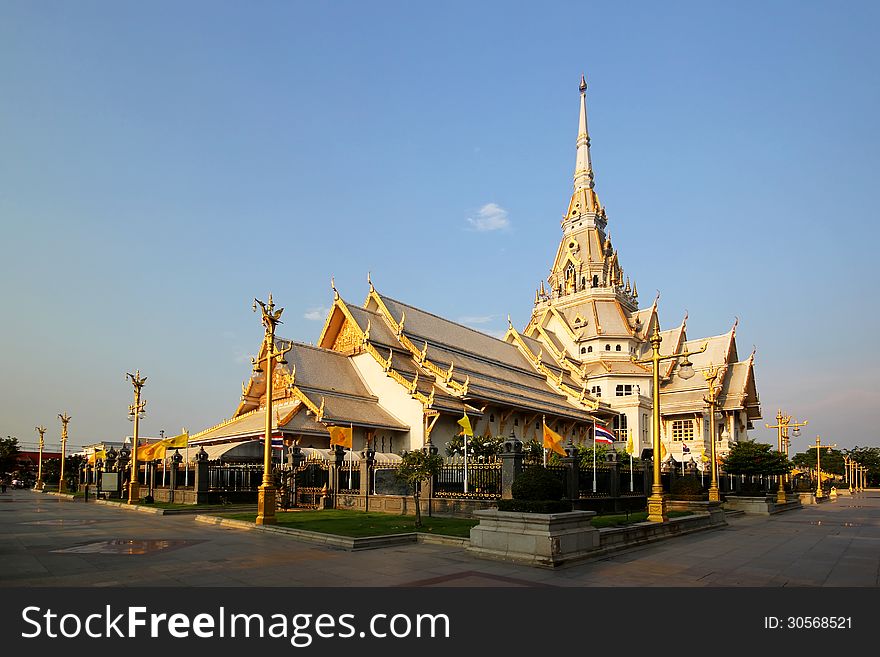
x=620, y=427
x=624, y=390
x=596, y=280
x=590, y=350
x=491, y=417
x=682, y=430
x=617, y=348
x=583, y=350
x=607, y=347
x=596, y=391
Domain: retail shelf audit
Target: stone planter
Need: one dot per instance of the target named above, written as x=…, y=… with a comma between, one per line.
x=538, y=539
x=763, y=505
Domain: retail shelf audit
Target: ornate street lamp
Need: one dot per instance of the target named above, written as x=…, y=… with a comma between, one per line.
x=712, y=399
x=657, y=502
x=783, y=424
x=65, y=418
x=271, y=318
x=42, y=431
x=135, y=412
x=820, y=446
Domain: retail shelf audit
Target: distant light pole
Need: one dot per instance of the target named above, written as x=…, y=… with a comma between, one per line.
x=819, y=446
x=657, y=502
x=135, y=412
x=65, y=418
x=39, y=485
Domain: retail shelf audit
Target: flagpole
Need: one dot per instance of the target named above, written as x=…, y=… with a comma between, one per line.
x=465, y=463
x=186, y=461
x=632, y=447
x=350, y=450
x=594, y=457
x=544, y=426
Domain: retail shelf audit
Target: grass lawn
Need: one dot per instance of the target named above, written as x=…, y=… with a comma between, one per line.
x=354, y=523
x=622, y=520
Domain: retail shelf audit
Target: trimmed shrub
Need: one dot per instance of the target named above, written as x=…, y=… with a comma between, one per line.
x=685, y=486
x=536, y=484
x=535, y=506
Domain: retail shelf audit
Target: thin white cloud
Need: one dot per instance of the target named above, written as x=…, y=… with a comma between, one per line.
x=489, y=217
x=316, y=314
x=476, y=319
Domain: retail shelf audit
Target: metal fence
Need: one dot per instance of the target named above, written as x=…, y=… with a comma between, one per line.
x=228, y=477
x=483, y=481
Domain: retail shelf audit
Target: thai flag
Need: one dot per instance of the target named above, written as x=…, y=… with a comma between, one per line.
x=602, y=435
x=685, y=449
x=278, y=443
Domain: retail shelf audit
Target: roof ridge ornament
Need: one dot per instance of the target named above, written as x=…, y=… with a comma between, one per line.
x=332, y=287
x=370, y=282
x=735, y=324
x=387, y=367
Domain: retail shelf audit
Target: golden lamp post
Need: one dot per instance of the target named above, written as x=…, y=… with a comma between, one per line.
x=39, y=485
x=819, y=446
x=712, y=399
x=135, y=412
x=65, y=418
x=848, y=463
x=782, y=426
x=271, y=318
x=657, y=502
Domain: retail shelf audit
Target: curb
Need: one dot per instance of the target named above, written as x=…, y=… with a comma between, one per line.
x=350, y=543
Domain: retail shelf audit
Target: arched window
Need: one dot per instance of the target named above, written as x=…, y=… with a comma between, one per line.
x=491, y=417
x=617, y=348
x=595, y=280
x=607, y=347
x=620, y=427
x=583, y=350
x=589, y=349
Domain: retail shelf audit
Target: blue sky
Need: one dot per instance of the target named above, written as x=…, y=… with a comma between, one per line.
x=163, y=163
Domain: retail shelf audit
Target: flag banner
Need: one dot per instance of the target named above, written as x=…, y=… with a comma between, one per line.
x=553, y=440
x=177, y=442
x=703, y=457
x=685, y=449
x=340, y=436
x=663, y=451
x=465, y=425
x=630, y=447
x=150, y=451
x=602, y=435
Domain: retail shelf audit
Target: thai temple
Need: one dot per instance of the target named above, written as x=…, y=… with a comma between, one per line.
x=402, y=377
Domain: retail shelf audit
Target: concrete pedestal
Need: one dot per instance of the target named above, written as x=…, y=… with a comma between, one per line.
x=538, y=539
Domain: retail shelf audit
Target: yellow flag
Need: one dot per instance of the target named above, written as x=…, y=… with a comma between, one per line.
x=553, y=440
x=465, y=425
x=663, y=451
x=177, y=442
x=149, y=451
x=340, y=436
x=703, y=457
x=630, y=448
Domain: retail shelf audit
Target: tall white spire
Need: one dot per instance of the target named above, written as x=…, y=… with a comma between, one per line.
x=583, y=169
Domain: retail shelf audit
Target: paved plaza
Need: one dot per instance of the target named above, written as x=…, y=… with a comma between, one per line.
x=51, y=541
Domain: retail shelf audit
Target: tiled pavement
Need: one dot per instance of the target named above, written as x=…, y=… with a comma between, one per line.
x=48, y=541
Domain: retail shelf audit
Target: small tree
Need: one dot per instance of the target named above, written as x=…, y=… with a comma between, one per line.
x=9, y=451
x=415, y=467
x=750, y=458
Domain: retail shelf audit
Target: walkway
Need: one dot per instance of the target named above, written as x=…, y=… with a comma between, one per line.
x=48, y=541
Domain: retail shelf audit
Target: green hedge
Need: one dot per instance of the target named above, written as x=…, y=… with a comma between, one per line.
x=536, y=484
x=535, y=506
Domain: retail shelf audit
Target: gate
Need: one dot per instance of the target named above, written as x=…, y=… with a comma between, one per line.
x=309, y=482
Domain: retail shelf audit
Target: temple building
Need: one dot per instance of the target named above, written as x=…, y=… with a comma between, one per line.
x=589, y=320
x=401, y=377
